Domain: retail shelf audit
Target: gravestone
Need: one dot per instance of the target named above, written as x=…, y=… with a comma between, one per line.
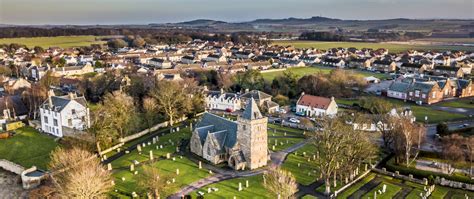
x=177, y=171
x=132, y=167
x=240, y=186
x=167, y=155
x=246, y=183
x=109, y=167
x=151, y=155
x=139, y=148
x=200, y=165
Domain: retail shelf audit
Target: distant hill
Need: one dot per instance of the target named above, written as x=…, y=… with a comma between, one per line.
x=202, y=22
x=295, y=20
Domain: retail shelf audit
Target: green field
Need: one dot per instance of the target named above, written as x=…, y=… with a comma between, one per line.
x=229, y=189
x=61, y=41
x=302, y=71
x=28, y=148
x=434, y=116
x=359, y=45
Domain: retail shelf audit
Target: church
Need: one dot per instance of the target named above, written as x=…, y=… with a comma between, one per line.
x=242, y=143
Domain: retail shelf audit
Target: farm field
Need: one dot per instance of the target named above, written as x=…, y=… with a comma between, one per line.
x=28, y=148
x=60, y=41
x=302, y=71
x=391, y=47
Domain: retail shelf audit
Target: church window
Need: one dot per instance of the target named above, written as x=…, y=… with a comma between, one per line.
x=244, y=127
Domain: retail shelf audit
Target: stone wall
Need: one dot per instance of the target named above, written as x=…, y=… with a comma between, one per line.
x=410, y=177
x=11, y=167
x=454, y=184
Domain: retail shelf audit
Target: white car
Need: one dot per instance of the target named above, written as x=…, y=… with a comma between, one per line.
x=294, y=120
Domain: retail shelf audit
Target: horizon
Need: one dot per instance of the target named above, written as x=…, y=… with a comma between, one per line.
x=141, y=12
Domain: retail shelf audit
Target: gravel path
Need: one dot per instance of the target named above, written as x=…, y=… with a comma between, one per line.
x=10, y=186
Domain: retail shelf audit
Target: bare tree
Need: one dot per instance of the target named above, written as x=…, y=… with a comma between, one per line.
x=407, y=139
x=468, y=143
x=340, y=149
x=114, y=118
x=171, y=98
x=151, y=110
x=280, y=182
x=77, y=173
x=451, y=150
x=155, y=184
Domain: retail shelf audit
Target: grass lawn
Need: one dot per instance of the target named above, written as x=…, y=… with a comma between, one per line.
x=305, y=168
x=28, y=148
x=282, y=143
x=461, y=103
x=391, y=191
x=229, y=189
x=302, y=71
x=60, y=41
x=166, y=141
x=188, y=173
x=359, y=45
x=349, y=191
x=309, y=197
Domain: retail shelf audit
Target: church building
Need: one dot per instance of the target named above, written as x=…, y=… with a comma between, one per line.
x=242, y=143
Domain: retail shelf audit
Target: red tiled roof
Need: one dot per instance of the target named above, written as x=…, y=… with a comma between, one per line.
x=314, y=101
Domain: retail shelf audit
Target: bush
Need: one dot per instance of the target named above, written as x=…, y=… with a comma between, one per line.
x=442, y=129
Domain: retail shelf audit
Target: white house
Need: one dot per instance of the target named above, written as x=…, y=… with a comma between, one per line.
x=219, y=100
x=216, y=58
x=398, y=90
x=159, y=63
x=61, y=115
x=315, y=106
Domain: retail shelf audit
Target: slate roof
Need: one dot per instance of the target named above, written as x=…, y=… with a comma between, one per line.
x=424, y=87
x=251, y=111
x=219, y=93
x=255, y=94
x=59, y=102
x=448, y=68
x=399, y=86
x=409, y=65
x=14, y=103
x=211, y=123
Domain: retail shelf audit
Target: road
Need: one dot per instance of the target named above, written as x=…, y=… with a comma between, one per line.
x=431, y=142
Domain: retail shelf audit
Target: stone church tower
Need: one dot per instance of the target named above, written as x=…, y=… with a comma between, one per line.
x=252, y=136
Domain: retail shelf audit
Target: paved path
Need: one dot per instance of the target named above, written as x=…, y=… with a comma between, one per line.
x=277, y=158
x=366, y=188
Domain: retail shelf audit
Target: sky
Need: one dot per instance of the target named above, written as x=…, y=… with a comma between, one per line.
x=90, y=12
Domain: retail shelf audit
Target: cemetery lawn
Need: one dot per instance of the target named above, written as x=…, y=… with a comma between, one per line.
x=229, y=189
x=28, y=148
x=391, y=191
x=301, y=173
x=188, y=173
x=60, y=41
x=282, y=143
x=302, y=71
x=349, y=191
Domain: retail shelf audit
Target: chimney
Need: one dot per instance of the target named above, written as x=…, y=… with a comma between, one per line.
x=72, y=95
x=222, y=91
x=332, y=99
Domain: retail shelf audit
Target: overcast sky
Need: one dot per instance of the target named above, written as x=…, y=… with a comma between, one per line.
x=161, y=11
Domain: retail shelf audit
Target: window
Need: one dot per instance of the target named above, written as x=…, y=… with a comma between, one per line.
x=423, y=95
x=55, y=122
x=433, y=95
x=73, y=111
x=411, y=93
x=69, y=122
x=417, y=93
x=45, y=119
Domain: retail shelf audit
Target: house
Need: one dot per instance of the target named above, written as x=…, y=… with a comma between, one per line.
x=334, y=62
x=17, y=85
x=292, y=63
x=465, y=88
x=189, y=59
x=63, y=115
x=241, y=144
x=448, y=88
x=159, y=63
x=83, y=59
x=244, y=55
x=427, y=92
x=412, y=68
x=220, y=100
x=216, y=58
x=384, y=66
x=398, y=90
x=315, y=106
x=447, y=71
x=12, y=109
x=263, y=100
x=168, y=76
x=73, y=70
x=362, y=63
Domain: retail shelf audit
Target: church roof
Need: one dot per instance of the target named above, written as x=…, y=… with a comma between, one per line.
x=211, y=123
x=251, y=110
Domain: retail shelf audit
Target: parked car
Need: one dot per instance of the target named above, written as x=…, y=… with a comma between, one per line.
x=282, y=111
x=294, y=120
x=278, y=121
